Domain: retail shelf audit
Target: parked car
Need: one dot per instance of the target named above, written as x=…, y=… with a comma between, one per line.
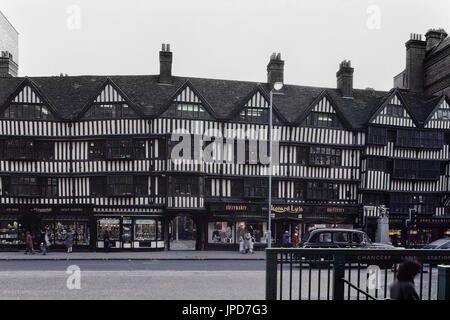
x=341, y=238
x=438, y=244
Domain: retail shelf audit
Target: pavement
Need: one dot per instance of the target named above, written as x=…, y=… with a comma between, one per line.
x=124, y=255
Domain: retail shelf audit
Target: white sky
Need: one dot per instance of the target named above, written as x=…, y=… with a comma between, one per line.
x=224, y=39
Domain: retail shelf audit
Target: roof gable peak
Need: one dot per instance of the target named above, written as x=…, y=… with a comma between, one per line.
x=323, y=103
x=394, y=111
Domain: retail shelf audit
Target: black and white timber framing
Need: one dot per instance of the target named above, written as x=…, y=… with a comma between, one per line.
x=104, y=143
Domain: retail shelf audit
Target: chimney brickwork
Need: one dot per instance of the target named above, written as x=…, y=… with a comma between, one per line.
x=345, y=78
x=275, y=70
x=165, y=65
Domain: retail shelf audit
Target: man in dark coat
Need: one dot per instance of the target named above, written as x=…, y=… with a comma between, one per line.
x=403, y=288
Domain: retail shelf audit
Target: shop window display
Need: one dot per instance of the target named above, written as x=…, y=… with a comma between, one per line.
x=110, y=225
x=9, y=233
x=57, y=232
x=220, y=232
x=145, y=230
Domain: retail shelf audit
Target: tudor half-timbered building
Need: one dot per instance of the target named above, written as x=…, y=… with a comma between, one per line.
x=95, y=155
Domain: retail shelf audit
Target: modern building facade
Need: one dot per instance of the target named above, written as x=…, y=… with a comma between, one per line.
x=9, y=47
x=95, y=154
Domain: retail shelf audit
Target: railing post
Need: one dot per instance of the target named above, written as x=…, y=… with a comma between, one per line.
x=338, y=275
x=443, y=288
x=271, y=274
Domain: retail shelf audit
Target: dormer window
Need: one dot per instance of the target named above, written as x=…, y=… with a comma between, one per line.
x=442, y=114
x=395, y=110
x=253, y=115
x=322, y=119
x=110, y=111
x=187, y=111
x=27, y=112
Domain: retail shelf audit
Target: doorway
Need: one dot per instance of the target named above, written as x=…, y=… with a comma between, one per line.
x=182, y=233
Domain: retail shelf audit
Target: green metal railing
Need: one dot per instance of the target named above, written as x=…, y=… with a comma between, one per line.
x=348, y=274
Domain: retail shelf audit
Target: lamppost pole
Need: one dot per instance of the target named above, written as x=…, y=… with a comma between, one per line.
x=269, y=217
x=276, y=86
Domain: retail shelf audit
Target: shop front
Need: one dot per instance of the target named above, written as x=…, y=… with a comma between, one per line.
x=299, y=219
x=129, y=230
x=9, y=232
x=287, y=218
x=227, y=222
x=428, y=229
x=55, y=220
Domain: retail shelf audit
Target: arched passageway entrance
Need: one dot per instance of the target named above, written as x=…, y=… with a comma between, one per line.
x=183, y=232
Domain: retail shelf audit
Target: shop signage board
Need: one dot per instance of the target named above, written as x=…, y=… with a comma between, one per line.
x=45, y=209
x=287, y=209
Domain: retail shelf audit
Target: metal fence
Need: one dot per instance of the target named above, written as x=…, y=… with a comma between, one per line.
x=346, y=274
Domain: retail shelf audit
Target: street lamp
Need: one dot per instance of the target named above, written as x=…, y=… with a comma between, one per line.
x=276, y=87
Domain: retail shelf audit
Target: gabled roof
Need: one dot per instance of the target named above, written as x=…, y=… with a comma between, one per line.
x=437, y=102
x=263, y=90
x=19, y=87
x=187, y=84
x=70, y=95
x=418, y=106
x=324, y=95
x=90, y=101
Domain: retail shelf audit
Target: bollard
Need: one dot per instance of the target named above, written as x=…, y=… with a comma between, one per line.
x=338, y=275
x=271, y=274
x=443, y=282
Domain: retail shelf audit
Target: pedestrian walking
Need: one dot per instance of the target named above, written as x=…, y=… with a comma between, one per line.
x=403, y=288
x=42, y=242
x=46, y=241
x=106, y=241
x=29, y=243
x=248, y=243
x=241, y=245
x=295, y=239
x=286, y=240
x=69, y=240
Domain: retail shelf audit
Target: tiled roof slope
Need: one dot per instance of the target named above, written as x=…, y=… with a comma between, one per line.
x=69, y=95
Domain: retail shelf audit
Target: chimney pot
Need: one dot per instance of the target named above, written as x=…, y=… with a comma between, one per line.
x=165, y=64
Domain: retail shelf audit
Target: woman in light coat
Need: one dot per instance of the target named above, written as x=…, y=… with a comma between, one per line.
x=248, y=243
x=69, y=241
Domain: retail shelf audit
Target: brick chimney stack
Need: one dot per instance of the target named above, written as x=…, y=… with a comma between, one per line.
x=434, y=37
x=165, y=65
x=345, y=79
x=275, y=70
x=8, y=68
x=415, y=58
